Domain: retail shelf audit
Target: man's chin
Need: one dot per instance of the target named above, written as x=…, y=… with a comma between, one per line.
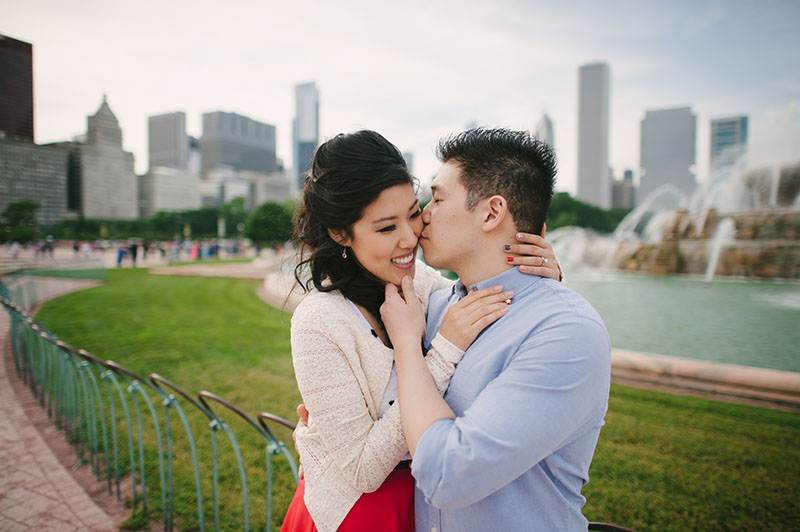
x=429, y=253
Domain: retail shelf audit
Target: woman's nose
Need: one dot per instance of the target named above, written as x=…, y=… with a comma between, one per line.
x=410, y=237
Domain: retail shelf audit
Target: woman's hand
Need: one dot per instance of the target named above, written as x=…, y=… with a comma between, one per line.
x=464, y=321
x=302, y=422
x=402, y=314
x=534, y=255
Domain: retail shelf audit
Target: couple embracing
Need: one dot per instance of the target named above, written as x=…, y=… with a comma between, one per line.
x=436, y=405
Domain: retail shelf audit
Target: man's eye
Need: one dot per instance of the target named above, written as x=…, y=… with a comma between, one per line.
x=419, y=211
x=386, y=229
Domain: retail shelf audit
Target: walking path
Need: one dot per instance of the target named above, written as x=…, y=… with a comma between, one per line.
x=37, y=492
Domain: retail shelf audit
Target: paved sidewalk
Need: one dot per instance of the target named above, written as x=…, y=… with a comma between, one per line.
x=36, y=490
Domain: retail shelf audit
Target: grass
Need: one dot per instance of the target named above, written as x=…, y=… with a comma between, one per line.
x=663, y=462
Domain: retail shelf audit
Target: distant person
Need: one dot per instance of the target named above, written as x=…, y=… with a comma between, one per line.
x=15, y=250
x=360, y=223
x=48, y=247
x=508, y=447
x=132, y=250
x=121, y=252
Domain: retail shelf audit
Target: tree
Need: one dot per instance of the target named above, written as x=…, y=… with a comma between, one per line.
x=270, y=223
x=566, y=210
x=234, y=214
x=19, y=220
x=203, y=221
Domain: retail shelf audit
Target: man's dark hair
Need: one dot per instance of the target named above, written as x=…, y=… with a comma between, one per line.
x=509, y=163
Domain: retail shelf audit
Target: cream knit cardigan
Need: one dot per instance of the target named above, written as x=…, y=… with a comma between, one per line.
x=342, y=372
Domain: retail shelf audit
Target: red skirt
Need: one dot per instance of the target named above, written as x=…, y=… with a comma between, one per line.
x=389, y=509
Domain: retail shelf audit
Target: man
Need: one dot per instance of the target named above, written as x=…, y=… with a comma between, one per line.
x=509, y=446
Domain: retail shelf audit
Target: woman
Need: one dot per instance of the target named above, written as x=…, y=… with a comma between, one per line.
x=360, y=223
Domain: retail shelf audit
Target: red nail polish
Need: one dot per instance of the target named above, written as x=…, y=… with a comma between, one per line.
x=510, y=259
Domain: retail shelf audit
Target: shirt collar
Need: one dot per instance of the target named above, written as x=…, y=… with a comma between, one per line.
x=511, y=279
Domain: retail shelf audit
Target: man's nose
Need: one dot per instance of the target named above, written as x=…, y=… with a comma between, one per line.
x=426, y=214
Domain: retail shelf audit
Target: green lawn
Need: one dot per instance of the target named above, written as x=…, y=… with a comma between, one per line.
x=663, y=463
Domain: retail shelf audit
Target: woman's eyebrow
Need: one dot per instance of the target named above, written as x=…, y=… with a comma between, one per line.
x=414, y=205
x=384, y=219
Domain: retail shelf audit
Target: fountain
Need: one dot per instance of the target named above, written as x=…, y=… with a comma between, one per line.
x=741, y=221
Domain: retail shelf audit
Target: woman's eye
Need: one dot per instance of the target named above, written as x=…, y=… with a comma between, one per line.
x=386, y=229
x=419, y=211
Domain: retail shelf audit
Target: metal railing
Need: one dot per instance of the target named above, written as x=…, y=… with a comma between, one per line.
x=129, y=427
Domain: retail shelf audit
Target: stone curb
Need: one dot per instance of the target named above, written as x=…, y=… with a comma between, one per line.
x=769, y=385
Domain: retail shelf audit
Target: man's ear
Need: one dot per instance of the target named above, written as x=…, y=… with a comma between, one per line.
x=544, y=229
x=495, y=212
x=340, y=237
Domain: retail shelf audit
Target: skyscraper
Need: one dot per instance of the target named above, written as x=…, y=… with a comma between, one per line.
x=237, y=142
x=623, y=192
x=168, y=189
x=668, y=151
x=168, y=142
x=594, y=176
x=408, y=157
x=544, y=131
x=728, y=140
x=16, y=89
x=305, y=127
x=38, y=173
x=109, y=186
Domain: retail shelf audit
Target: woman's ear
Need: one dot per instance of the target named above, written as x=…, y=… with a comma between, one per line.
x=496, y=210
x=340, y=237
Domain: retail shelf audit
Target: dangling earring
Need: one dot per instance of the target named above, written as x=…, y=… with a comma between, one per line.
x=344, y=252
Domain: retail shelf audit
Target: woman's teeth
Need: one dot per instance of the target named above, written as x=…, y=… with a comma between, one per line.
x=404, y=260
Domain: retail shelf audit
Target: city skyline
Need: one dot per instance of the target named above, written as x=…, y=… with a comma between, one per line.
x=465, y=62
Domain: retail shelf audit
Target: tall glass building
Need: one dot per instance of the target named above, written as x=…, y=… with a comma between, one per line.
x=594, y=175
x=728, y=140
x=305, y=128
x=237, y=142
x=16, y=89
x=168, y=141
x=668, y=152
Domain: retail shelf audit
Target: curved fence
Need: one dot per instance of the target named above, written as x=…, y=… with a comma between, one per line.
x=131, y=429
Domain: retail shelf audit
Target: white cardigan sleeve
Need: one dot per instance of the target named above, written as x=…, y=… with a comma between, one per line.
x=365, y=450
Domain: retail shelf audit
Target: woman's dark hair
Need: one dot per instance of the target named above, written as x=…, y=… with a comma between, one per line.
x=348, y=172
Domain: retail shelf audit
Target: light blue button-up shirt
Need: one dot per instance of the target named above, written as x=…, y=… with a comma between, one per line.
x=529, y=397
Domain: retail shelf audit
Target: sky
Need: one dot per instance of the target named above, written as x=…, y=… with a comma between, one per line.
x=417, y=70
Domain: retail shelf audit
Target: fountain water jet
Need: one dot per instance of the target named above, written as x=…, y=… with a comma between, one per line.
x=723, y=237
x=627, y=227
